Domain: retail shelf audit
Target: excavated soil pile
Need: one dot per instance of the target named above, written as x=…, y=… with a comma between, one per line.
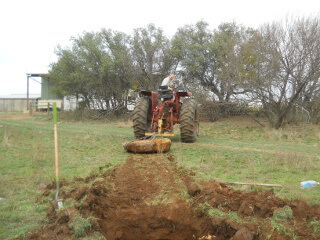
x=150, y=197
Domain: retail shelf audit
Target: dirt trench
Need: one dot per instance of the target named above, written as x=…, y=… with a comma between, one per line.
x=150, y=197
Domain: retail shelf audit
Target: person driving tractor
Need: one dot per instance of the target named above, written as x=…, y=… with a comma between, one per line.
x=168, y=81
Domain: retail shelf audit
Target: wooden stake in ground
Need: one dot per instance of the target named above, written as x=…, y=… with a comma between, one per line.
x=251, y=184
x=256, y=184
x=55, y=121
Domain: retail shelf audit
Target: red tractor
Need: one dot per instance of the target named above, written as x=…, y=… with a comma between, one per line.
x=155, y=114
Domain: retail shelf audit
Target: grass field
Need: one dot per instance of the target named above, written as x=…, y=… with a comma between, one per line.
x=235, y=149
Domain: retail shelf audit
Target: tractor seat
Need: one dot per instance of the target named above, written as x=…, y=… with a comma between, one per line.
x=165, y=93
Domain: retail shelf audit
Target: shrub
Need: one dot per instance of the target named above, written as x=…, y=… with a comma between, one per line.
x=212, y=111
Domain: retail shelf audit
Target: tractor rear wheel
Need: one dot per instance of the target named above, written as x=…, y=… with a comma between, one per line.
x=189, y=122
x=141, y=117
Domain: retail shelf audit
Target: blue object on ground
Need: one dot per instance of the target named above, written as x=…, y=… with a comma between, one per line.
x=310, y=183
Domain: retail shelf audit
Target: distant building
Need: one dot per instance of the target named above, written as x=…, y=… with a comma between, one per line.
x=16, y=102
x=47, y=96
x=46, y=92
x=44, y=101
x=40, y=102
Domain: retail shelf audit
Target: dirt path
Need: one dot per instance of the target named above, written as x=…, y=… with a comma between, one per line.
x=17, y=116
x=150, y=197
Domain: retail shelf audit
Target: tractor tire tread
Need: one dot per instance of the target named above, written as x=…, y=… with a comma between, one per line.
x=188, y=114
x=140, y=117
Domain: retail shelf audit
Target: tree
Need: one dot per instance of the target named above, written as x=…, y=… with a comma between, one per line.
x=228, y=40
x=119, y=80
x=308, y=67
x=78, y=68
x=97, y=69
x=210, y=58
x=282, y=66
x=150, y=50
x=192, y=47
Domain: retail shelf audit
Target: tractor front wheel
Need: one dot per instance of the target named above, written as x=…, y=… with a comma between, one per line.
x=141, y=117
x=189, y=122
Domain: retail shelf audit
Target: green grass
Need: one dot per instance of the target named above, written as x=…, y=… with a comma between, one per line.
x=280, y=228
x=236, y=152
x=160, y=199
x=232, y=149
x=315, y=225
x=217, y=212
x=80, y=225
x=282, y=214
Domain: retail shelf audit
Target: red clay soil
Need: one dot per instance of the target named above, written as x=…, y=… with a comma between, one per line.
x=150, y=197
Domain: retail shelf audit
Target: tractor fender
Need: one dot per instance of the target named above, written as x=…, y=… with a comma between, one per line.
x=153, y=96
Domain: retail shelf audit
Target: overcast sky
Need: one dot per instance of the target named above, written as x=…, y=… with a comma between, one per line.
x=31, y=29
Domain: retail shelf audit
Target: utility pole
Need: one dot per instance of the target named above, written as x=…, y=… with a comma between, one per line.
x=28, y=75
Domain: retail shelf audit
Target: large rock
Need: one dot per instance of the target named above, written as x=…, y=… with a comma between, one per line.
x=148, y=146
